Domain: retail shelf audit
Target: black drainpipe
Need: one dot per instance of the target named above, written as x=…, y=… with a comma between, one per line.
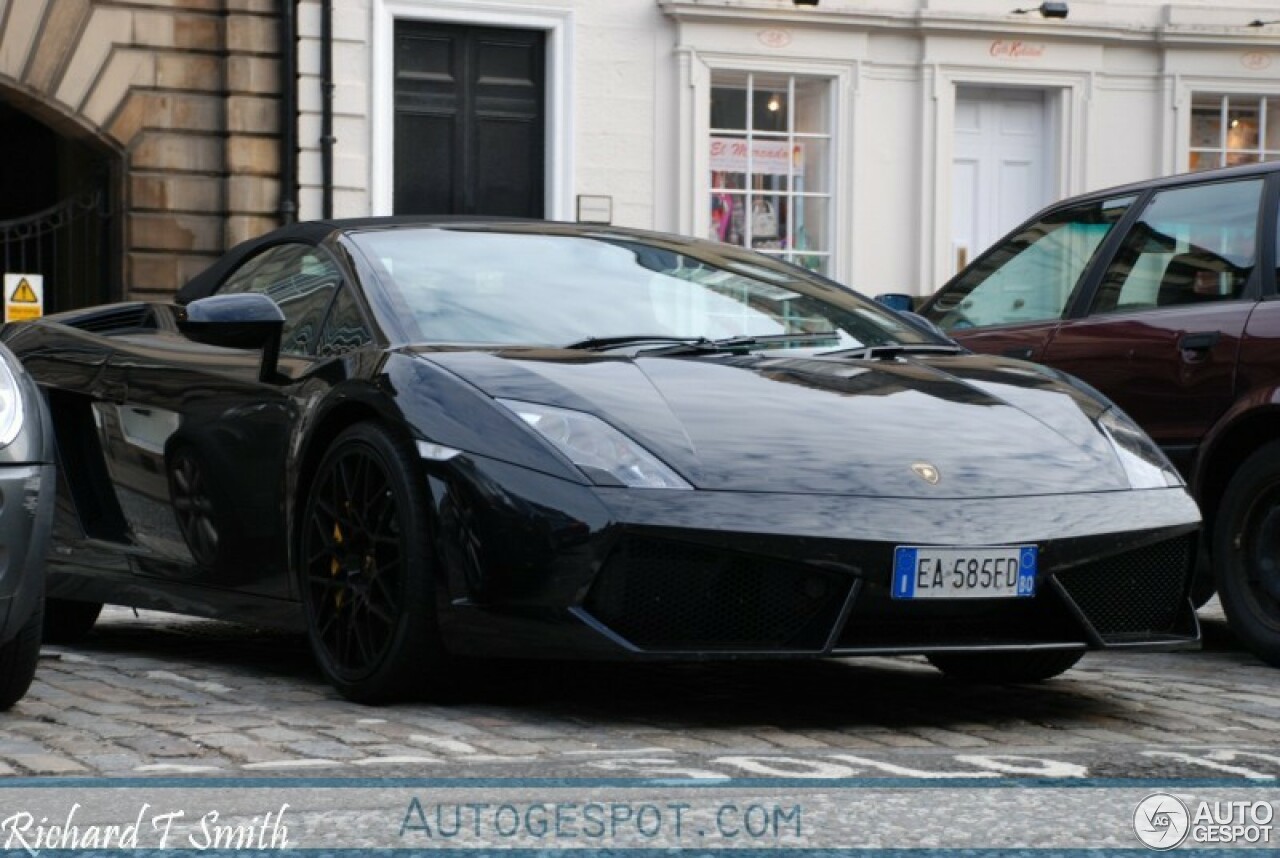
x=326, y=100
x=288, y=111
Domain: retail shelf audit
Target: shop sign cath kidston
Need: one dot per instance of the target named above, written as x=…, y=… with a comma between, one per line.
x=768, y=157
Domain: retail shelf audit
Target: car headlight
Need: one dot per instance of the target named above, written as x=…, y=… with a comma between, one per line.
x=11, y=413
x=603, y=453
x=1144, y=463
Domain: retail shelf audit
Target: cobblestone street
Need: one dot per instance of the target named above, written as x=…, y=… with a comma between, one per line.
x=157, y=694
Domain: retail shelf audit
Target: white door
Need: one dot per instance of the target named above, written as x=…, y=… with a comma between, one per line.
x=1001, y=167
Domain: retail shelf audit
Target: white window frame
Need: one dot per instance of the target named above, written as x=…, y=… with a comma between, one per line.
x=695, y=153
x=558, y=24
x=1225, y=99
x=1184, y=90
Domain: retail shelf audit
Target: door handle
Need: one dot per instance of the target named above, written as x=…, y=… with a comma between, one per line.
x=1023, y=353
x=1200, y=341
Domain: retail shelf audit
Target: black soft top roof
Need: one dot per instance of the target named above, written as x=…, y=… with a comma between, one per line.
x=316, y=231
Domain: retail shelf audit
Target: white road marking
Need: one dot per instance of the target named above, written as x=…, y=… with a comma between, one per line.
x=292, y=764
x=453, y=746
x=180, y=768
x=390, y=761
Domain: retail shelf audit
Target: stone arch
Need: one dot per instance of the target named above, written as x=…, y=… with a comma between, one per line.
x=182, y=96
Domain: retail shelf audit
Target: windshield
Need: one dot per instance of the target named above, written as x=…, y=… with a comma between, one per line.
x=513, y=287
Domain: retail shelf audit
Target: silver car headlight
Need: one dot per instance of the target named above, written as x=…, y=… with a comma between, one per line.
x=1144, y=463
x=11, y=412
x=597, y=448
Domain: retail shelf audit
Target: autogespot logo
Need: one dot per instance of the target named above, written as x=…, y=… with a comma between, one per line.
x=1161, y=821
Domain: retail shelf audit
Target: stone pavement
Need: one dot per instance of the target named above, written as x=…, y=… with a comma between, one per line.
x=155, y=694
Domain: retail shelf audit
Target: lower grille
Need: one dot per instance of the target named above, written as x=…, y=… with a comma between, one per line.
x=664, y=595
x=1137, y=593
x=879, y=620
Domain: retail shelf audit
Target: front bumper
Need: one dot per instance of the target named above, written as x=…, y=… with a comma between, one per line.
x=549, y=568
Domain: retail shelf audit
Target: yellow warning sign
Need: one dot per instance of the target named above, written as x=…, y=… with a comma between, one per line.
x=23, y=297
x=24, y=294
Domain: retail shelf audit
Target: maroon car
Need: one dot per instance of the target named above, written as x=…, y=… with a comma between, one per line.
x=1163, y=296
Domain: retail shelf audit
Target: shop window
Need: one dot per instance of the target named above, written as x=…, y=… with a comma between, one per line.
x=771, y=156
x=1234, y=129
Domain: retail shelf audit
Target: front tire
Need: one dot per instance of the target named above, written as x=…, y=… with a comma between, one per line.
x=367, y=569
x=1246, y=553
x=18, y=660
x=1031, y=666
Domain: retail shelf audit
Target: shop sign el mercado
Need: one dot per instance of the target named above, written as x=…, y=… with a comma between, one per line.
x=23, y=297
x=769, y=157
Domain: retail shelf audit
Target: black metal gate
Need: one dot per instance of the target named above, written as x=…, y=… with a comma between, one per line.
x=68, y=243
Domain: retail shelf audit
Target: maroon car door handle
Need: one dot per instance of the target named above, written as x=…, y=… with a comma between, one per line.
x=1023, y=353
x=1201, y=341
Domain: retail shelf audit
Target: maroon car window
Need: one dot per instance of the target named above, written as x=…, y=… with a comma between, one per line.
x=1190, y=245
x=1031, y=276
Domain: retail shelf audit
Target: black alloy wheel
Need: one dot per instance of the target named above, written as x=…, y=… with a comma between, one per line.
x=1246, y=553
x=193, y=506
x=367, y=571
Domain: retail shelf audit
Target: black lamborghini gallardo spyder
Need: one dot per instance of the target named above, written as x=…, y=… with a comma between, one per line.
x=423, y=440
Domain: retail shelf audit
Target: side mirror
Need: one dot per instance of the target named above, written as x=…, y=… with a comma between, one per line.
x=899, y=301
x=245, y=320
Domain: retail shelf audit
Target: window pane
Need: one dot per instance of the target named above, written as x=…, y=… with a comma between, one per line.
x=729, y=105
x=812, y=219
x=770, y=104
x=1272, y=140
x=344, y=329
x=1242, y=124
x=1031, y=276
x=1235, y=159
x=813, y=107
x=301, y=280
x=1205, y=160
x=1206, y=123
x=1190, y=245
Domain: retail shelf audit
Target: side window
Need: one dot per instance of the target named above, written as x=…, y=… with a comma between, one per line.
x=344, y=329
x=1190, y=245
x=1032, y=275
x=301, y=279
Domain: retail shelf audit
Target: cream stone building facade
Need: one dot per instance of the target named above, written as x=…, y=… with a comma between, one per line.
x=882, y=141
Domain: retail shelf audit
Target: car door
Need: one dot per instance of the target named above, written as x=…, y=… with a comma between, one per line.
x=1012, y=299
x=1162, y=329
x=205, y=438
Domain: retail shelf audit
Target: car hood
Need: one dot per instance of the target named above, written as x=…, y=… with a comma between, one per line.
x=759, y=423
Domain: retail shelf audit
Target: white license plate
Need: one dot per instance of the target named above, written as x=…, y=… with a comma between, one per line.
x=960, y=572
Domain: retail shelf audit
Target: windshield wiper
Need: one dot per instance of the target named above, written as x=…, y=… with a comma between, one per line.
x=745, y=343
x=664, y=344
x=605, y=343
x=893, y=350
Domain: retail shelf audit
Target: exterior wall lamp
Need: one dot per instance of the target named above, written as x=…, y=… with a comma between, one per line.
x=1047, y=9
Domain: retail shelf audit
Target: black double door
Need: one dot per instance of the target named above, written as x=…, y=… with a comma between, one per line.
x=470, y=120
